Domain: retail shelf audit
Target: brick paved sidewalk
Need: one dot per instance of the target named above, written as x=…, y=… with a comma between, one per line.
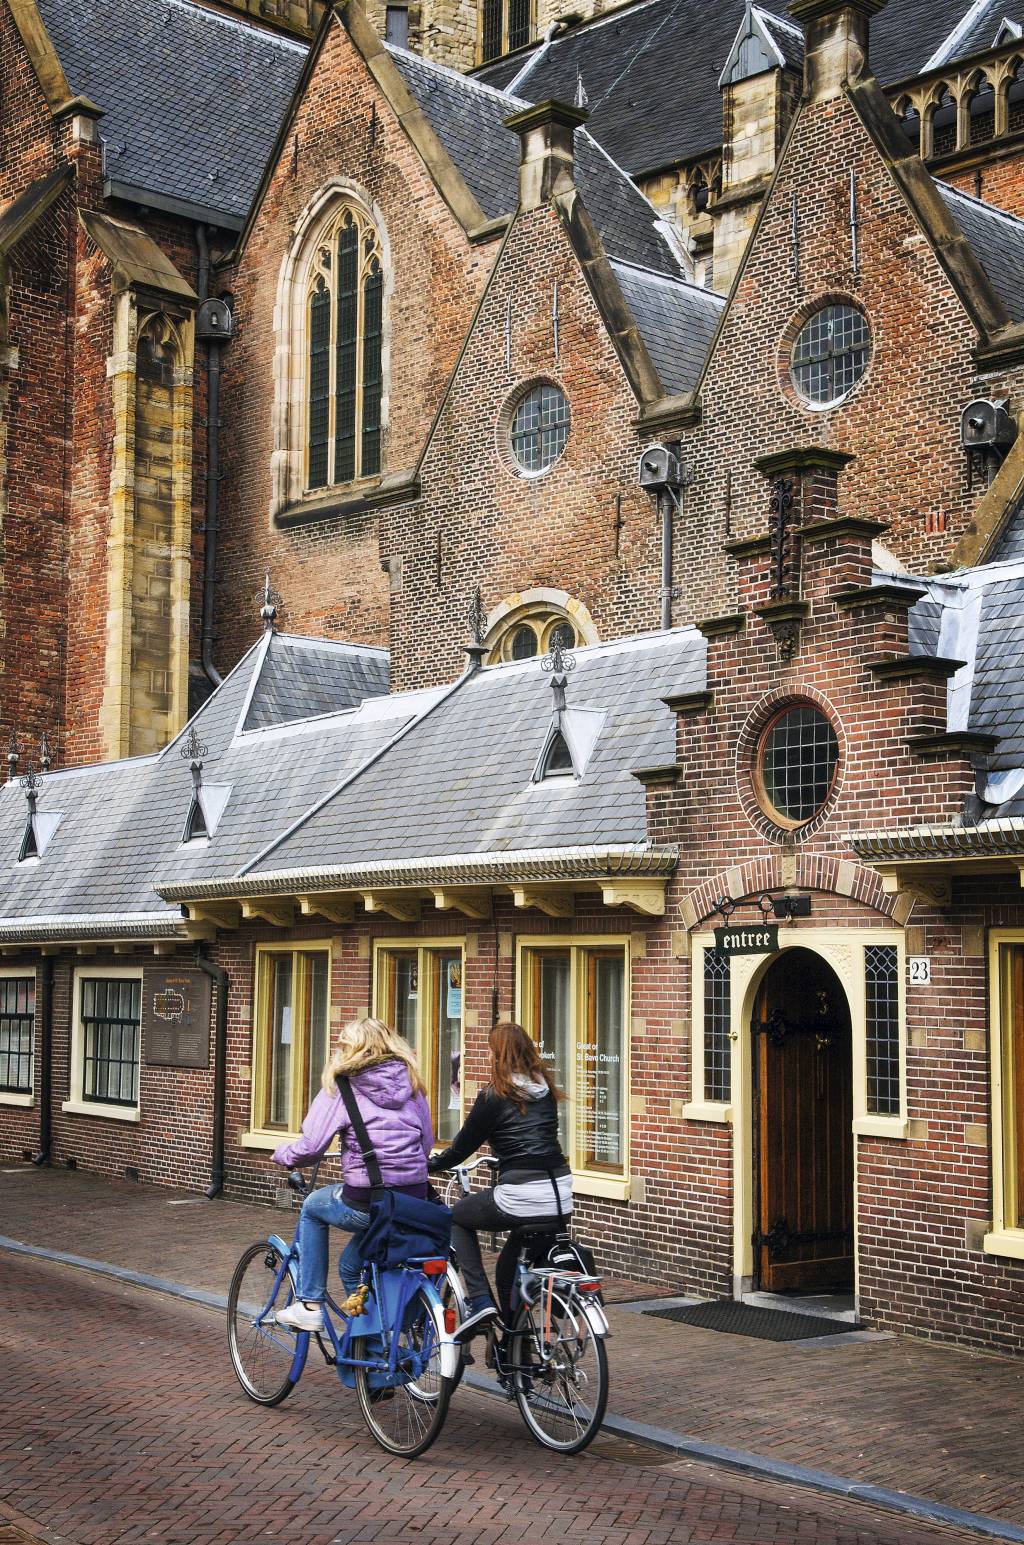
x=900, y=1413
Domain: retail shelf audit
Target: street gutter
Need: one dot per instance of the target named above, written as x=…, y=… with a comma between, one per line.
x=715, y=1454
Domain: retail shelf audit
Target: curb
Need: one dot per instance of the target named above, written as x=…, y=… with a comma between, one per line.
x=717, y=1454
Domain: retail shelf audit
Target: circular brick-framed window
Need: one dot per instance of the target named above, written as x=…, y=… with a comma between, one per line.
x=828, y=355
x=539, y=421
x=795, y=764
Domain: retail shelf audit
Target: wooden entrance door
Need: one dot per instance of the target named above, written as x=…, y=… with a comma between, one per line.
x=804, y=1071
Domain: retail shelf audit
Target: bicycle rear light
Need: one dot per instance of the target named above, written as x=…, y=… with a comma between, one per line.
x=435, y=1268
x=591, y=1285
x=451, y=1320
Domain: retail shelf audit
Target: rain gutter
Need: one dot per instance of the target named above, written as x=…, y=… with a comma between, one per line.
x=1003, y=834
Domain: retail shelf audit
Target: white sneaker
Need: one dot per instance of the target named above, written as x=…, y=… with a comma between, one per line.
x=298, y=1317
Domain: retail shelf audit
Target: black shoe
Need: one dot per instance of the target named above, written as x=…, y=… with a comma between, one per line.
x=476, y=1324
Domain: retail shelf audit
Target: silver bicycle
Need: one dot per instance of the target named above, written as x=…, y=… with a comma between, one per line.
x=551, y=1358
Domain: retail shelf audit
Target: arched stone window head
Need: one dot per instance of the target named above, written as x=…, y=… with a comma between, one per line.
x=344, y=348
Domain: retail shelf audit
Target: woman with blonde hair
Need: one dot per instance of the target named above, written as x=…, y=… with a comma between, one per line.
x=388, y=1092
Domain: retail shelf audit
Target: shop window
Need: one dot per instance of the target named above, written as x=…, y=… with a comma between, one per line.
x=418, y=992
x=505, y=24
x=830, y=353
x=796, y=763
x=574, y=1003
x=1006, y=976
x=345, y=330
x=291, y=1038
x=17, y=1021
x=882, y=1029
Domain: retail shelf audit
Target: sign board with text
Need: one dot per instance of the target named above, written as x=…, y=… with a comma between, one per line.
x=748, y=939
x=176, y=1017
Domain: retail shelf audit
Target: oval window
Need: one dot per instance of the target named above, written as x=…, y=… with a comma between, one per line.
x=540, y=428
x=797, y=757
x=830, y=353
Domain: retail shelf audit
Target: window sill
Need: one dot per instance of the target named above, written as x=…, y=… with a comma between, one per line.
x=1005, y=1241
x=371, y=493
x=610, y=1187
x=707, y=1110
x=880, y=1126
x=108, y=1112
x=267, y=1141
x=8, y=1097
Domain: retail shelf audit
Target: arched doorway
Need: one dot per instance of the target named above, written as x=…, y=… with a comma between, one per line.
x=803, y=1128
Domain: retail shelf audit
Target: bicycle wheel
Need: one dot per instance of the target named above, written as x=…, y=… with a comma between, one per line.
x=407, y=1416
x=262, y=1352
x=561, y=1399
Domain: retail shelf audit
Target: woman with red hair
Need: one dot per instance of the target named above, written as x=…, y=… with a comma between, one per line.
x=517, y=1113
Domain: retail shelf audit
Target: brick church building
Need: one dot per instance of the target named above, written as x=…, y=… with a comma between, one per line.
x=634, y=459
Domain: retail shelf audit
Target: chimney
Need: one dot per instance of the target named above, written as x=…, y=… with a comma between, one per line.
x=546, y=151
x=835, y=42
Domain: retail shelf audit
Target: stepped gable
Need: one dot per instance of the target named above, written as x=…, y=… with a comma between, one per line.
x=469, y=119
x=677, y=322
x=191, y=97
x=487, y=737
x=997, y=241
x=651, y=70
x=303, y=677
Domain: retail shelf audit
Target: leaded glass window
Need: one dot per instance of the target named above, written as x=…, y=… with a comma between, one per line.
x=505, y=24
x=882, y=1027
x=797, y=761
x=17, y=1017
x=830, y=354
x=111, y=1016
x=717, y=1022
x=345, y=323
x=540, y=427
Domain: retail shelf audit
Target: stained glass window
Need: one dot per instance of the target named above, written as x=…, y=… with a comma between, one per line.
x=881, y=982
x=717, y=1022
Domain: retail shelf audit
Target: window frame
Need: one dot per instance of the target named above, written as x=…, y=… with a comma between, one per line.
x=261, y=1135
x=542, y=623
x=1005, y=1238
x=793, y=364
x=78, y=1104
x=481, y=58
x=518, y=401
x=425, y=1045
x=764, y=799
x=592, y=1180
x=24, y=1097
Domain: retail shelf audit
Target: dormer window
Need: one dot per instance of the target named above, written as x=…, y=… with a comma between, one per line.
x=195, y=825
x=209, y=800
x=39, y=825
x=557, y=759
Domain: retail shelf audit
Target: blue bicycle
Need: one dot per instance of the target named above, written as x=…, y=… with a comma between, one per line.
x=397, y=1351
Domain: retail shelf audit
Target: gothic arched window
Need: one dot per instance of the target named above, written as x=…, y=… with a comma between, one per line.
x=344, y=332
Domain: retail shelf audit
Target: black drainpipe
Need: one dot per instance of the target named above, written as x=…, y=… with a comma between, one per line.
x=220, y=1067
x=45, y=1060
x=213, y=349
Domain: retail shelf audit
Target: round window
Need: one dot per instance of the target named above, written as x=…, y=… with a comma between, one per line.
x=540, y=428
x=830, y=354
x=797, y=757
x=522, y=643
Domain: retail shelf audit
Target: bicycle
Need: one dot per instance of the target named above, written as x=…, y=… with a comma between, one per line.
x=551, y=1359
x=398, y=1353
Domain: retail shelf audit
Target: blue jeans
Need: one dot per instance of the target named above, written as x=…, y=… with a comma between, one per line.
x=320, y=1210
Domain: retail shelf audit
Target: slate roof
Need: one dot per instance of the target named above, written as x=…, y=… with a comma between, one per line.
x=192, y=98
x=314, y=676
x=997, y=241
x=123, y=821
x=1011, y=540
x=787, y=37
x=469, y=118
x=981, y=33
x=677, y=322
x=460, y=780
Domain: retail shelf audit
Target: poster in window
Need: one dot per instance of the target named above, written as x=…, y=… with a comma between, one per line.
x=453, y=1005
x=176, y=1017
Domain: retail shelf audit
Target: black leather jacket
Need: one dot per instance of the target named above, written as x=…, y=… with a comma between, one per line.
x=520, y=1140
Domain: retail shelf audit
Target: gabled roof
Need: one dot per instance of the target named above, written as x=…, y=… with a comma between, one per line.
x=468, y=117
x=22, y=213
x=191, y=97
x=677, y=322
x=303, y=677
x=134, y=257
x=764, y=42
x=997, y=241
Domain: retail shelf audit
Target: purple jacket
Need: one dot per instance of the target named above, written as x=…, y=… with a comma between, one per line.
x=398, y=1123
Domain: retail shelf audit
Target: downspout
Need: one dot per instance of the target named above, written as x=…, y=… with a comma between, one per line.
x=45, y=1061
x=213, y=349
x=219, y=977
x=666, y=502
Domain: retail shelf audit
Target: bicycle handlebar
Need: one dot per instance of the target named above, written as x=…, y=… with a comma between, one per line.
x=485, y=1158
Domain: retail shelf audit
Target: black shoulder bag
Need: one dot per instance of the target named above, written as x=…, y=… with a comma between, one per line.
x=401, y=1228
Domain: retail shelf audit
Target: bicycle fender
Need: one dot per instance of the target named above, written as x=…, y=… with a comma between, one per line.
x=595, y=1317
x=450, y=1353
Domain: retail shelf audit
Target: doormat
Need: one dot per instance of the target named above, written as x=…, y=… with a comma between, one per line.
x=738, y=1319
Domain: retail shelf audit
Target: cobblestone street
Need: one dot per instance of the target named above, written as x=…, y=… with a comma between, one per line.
x=122, y=1422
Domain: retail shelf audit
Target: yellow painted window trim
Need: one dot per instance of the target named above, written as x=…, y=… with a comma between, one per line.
x=267, y=1141
x=1005, y=1238
x=423, y=947
x=76, y=1105
x=1005, y=1241
x=881, y=1126
x=260, y=998
x=582, y=1177
x=13, y=1098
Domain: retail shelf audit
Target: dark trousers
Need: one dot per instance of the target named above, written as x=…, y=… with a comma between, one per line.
x=481, y=1211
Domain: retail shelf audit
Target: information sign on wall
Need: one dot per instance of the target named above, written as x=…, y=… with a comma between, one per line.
x=748, y=939
x=176, y=1017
